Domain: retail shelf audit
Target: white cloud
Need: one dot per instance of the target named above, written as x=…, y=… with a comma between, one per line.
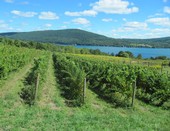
x=159, y=21
x=83, y=13
x=161, y=30
x=156, y=15
x=167, y=9
x=155, y=33
x=149, y=33
x=131, y=27
x=107, y=20
x=9, y=1
x=81, y=21
x=48, y=16
x=136, y=25
x=23, y=14
x=72, y=13
x=114, y=7
x=165, y=1
x=107, y=6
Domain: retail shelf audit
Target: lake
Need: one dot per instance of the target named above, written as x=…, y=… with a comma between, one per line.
x=146, y=52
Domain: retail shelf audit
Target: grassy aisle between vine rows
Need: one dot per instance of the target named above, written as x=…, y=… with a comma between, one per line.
x=48, y=93
x=9, y=86
x=9, y=97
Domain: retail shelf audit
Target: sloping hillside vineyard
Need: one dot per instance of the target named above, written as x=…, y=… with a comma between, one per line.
x=110, y=80
x=13, y=58
x=114, y=82
x=79, y=78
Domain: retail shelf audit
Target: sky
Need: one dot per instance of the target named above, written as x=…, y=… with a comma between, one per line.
x=113, y=18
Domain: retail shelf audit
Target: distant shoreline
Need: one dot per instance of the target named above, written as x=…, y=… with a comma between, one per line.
x=120, y=46
x=145, y=52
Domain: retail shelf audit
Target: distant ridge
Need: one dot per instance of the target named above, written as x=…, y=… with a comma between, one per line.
x=81, y=37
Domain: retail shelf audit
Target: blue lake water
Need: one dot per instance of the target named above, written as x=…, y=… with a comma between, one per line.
x=146, y=52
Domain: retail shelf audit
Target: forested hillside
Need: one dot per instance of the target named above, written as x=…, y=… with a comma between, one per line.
x=81, y=37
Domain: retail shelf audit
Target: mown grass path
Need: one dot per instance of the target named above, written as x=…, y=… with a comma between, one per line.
x=10, y=99
x=12, y=85
x=48, y=95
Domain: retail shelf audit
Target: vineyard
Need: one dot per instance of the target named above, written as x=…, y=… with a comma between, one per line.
x=13, y=58
x=80, y=91
x=113, y=81
x=35, y=79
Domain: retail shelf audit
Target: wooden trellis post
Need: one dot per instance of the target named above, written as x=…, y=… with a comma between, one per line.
x=161, y=69
x=36, y=86
x=84, y=90
x=133, y=93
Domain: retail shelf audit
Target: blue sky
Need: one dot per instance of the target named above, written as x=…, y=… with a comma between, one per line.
x=113, y=18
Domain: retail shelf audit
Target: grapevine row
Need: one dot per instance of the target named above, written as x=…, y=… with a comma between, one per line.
x=14, y=58
x=113, y=82
x=71, y=78
x=35, y=79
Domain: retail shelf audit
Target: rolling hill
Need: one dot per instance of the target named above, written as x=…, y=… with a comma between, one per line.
x=81, y=37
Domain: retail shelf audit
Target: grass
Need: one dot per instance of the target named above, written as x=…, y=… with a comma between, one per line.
x=96, y=114
x=48, y=92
